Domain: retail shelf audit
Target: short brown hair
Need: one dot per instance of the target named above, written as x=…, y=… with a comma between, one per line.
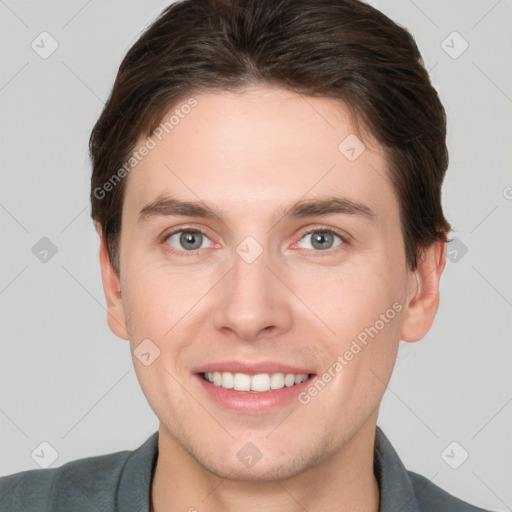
x=342, y=49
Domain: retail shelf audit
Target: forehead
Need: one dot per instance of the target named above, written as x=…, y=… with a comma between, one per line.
x=252, y=150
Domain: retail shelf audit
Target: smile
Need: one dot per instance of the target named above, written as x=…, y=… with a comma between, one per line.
x=258, y=383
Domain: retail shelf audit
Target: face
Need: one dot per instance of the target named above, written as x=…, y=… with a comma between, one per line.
x=290, y=265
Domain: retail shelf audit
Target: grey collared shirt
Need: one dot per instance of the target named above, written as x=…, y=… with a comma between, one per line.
x=121, y=482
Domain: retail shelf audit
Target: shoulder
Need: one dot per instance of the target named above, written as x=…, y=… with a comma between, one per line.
x=83, y=484
x=407, y=490
x=432, y=498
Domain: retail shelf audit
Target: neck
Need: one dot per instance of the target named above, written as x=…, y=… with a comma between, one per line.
x=345, y=481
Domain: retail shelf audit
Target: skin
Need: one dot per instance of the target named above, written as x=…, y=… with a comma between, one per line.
x=250, y=154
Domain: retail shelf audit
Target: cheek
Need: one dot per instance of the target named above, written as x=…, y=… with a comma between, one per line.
x=159, y=305
x=157, y=298
x=364, y=307
x=351, y=298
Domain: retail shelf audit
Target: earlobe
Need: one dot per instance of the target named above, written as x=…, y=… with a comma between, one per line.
x=423, y=298
x=111, y=287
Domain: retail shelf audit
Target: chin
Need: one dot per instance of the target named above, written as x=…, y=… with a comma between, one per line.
x=264, y=473
x=264, y=467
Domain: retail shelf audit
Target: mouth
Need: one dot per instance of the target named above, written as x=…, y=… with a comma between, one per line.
x=254, y=383
x=252, y=388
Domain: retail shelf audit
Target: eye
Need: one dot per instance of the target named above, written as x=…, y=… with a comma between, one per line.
x=192, y=240
x=186, y=240
x=322, y=239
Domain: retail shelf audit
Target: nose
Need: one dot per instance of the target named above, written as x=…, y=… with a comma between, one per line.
x=253, y=302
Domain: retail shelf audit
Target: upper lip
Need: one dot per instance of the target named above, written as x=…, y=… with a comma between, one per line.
x=251, y=368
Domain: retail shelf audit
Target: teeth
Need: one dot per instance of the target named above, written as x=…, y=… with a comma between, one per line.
x=258, y=383
x=289, y=380
x=242, y=382
x=277, y=381
x=227, y=381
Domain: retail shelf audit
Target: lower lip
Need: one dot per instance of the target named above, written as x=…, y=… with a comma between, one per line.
x=253, y=403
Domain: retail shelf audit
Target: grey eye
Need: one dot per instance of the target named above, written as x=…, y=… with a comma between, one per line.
x=322, y=239
x=188, y=240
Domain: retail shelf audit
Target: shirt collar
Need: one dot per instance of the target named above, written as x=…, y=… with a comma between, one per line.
x=133, y=491
x=396, y=489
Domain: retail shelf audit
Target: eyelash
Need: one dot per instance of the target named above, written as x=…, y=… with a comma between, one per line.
x=316, y=253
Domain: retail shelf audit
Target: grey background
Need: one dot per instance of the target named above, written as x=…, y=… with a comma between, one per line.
x=67, y=380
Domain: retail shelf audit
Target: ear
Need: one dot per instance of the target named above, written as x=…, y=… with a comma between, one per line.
x=424, y=293
x=111, y=287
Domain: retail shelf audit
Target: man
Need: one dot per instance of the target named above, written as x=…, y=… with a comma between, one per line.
x=267, y=191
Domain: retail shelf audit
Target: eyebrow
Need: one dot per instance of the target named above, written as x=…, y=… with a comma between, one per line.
x=164, y=206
